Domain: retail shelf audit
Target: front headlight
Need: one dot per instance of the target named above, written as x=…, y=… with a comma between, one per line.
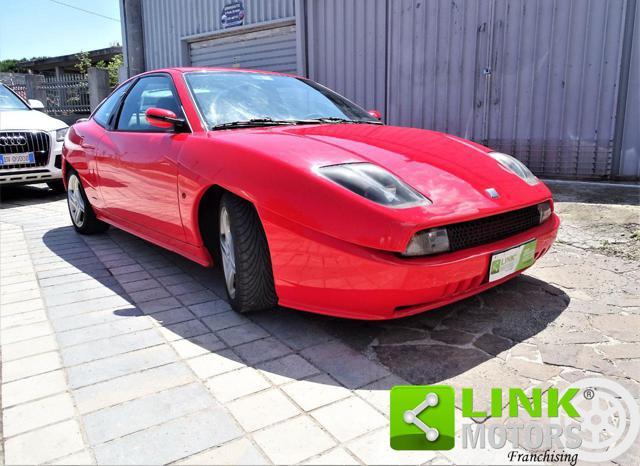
x=427, y=242
x=545, y=211
x=374, y=183
x=61, y=133
x=515, y=166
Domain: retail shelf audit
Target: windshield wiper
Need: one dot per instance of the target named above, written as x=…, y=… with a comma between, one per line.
x=253, y=122
x=339, y=120
x=266, y=121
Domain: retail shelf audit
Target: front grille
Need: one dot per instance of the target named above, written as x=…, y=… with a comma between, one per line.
x=17, y=142
x=489, y=229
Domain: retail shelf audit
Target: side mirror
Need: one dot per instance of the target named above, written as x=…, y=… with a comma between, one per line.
x=36, y=104
x=161, y=118
x=375, y=114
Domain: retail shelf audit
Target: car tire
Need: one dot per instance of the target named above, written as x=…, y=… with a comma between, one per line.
x=57, y=186
x=82, y=216
x=245, y=257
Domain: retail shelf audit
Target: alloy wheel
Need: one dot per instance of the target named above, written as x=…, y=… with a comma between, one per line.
x=76, y=202
x=227, y=252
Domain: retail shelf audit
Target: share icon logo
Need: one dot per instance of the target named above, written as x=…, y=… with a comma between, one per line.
x=411, y=417
x=422, y=417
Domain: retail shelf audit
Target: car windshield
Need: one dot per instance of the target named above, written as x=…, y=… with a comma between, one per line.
x=227, y=97
x=9, y=101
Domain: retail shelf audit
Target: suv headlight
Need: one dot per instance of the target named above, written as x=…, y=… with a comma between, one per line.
x=374, y=183
x=515, y=166
x=61, y=133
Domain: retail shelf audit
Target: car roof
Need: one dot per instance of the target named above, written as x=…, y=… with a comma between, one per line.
x=186, y=69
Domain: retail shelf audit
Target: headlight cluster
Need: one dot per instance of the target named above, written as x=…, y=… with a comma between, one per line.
x=436, y=240
x=61, y=133
x=545, y=211
x=427, y=242
x=374, y=183
x=515, y=166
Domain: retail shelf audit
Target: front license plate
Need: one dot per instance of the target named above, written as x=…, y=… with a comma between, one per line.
x=507, y=262
x=17, y=159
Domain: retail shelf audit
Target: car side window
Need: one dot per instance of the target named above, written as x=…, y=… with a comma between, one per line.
x=105, y=111
x=148, y=92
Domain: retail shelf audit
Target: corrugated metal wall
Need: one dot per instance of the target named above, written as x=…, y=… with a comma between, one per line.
x=272, y=49
x=346, y=48
x=630, y=153
x=535, y=78
x=167, y=22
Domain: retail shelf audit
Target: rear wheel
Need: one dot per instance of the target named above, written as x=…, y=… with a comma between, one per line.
x=57, y=186
x=246, y=261
x=82, y=216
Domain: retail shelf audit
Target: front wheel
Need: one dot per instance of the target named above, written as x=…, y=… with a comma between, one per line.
x=246, y=261
x=82, y=216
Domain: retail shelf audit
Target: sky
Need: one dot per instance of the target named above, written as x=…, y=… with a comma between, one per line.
x=34, y=28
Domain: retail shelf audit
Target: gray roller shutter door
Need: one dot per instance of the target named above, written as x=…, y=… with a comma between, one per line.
x=271, y=49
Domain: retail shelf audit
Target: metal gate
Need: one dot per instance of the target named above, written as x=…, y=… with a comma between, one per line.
x=537, y=79
x=269, y=49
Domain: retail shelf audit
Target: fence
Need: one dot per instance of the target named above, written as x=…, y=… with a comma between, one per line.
x=67, y=93
x=25, y=85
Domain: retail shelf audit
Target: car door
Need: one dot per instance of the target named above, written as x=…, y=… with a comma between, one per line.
x=89, y=134
x=138, y=162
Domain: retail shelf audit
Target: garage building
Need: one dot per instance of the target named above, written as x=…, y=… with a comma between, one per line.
x=554, y=82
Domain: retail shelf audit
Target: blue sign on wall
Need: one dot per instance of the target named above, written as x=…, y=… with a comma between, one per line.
x=232, y=14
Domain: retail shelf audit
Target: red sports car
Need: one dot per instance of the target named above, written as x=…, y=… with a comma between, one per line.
x=305, y=199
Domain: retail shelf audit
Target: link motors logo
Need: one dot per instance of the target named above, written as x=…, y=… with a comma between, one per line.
x=595, y=420
x=609, y=418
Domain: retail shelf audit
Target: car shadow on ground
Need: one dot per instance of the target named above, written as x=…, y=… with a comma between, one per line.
x=424, y=349
x=27, y=194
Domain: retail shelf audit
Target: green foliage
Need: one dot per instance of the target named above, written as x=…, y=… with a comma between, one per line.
x=84, y=62
x=112, y=66
x=8, y=66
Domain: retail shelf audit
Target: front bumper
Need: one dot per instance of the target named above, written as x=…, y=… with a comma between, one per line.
x=51, y=171
x=321, y=274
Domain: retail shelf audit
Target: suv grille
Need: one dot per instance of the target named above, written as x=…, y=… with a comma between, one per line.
x=17, y=142
x=489, y=229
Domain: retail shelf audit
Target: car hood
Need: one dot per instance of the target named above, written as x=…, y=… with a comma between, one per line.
x=29, y=120
x=452, y=172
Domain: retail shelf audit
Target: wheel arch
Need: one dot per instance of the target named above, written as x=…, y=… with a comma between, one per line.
x=207, y=226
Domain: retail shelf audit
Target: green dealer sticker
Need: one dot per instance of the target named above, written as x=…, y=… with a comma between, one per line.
x=512, y=260
x=422, y=417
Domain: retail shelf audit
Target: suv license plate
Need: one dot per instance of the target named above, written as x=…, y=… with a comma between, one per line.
x=17, y=159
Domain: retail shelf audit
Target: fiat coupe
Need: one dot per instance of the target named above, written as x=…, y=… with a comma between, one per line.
x=303, y=198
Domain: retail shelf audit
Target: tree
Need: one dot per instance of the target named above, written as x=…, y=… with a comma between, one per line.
x=9, y=66
x=112, y=66
x=84, y=62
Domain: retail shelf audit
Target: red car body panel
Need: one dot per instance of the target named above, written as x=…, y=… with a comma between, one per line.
x=332, y=251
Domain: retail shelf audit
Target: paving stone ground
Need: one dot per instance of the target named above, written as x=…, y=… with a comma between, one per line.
x=115, y=351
